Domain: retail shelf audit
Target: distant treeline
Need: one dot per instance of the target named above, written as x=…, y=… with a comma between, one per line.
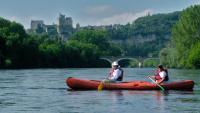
x=147, y=36
x=21, y=50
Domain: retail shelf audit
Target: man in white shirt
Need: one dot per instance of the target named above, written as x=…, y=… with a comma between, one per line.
x=115, y=74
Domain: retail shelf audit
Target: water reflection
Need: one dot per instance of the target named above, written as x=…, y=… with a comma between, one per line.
x=157, y=99
x=116, y=98
x=45, y=90
x=116, y=95
x=161, y=98
x=160, y=94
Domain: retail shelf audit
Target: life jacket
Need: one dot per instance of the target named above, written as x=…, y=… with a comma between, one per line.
x=167, y=77
x=120, y=78
x=157, y=76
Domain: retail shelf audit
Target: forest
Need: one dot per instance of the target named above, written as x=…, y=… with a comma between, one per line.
x=174, y=37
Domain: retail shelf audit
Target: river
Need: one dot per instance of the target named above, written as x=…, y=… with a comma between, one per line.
x=45, y=91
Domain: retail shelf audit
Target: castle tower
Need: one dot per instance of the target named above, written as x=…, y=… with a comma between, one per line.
x=65, y=26
x=37, y=26
x=77, y=26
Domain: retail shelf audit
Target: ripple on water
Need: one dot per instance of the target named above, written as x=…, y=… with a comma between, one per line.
x=188, y=100
x=6, y=103
x=45, y=91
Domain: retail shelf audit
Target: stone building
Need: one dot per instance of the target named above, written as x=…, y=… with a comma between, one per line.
x=77, y=27
x=51, y=30
x=37, y=25
x=65, y=26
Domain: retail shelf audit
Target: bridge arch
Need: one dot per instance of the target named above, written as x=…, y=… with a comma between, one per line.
x=128, y=62
x=140, y=60
x=104, y=62
x=118, y=60
x=106, y=59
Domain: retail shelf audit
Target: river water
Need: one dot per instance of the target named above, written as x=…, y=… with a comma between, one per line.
x=45, y=91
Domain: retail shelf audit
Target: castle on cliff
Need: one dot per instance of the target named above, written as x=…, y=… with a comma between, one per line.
x=63, y=28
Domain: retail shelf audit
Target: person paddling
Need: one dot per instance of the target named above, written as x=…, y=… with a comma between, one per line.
x=161, y=75
x=115, y=74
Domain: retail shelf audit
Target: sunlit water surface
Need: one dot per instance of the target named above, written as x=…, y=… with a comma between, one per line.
x=45, y=91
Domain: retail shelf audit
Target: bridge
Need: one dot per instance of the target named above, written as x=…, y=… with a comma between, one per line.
x=140, y=60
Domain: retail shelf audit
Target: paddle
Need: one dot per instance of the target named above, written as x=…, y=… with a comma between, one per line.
x=157, y=84
x=100, y=87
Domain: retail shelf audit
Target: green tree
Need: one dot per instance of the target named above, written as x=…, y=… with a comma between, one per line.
x=81, y=54
x=194, y=56
x=168, y=57
x=186, y=33
x=97, y=37
x=12, y=36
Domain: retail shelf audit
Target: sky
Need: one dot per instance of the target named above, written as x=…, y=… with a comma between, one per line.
x=87, y=12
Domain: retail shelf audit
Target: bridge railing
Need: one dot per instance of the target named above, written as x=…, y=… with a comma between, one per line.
x=140, y=60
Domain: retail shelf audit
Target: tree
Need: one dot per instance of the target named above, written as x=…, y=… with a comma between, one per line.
x=186, y=33
x=194, y=56
x=12, y=36
x=81, y=54
x=168, y=57
x=98, y=38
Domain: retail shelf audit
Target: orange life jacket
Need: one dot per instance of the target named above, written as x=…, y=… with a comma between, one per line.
x=157, y=76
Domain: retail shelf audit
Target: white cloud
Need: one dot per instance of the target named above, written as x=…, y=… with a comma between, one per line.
x=96, y=10
x=13, y=18
x=25, y=21
x=120, y=18
x=123, y=18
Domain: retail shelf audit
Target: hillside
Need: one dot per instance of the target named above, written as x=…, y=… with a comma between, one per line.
x=146, y=35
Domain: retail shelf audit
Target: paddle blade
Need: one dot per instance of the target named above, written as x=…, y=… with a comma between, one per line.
x=100, y=87
x=162, y=88
x=157, y=84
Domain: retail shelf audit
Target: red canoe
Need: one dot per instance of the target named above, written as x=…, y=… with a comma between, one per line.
x=80, y=84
